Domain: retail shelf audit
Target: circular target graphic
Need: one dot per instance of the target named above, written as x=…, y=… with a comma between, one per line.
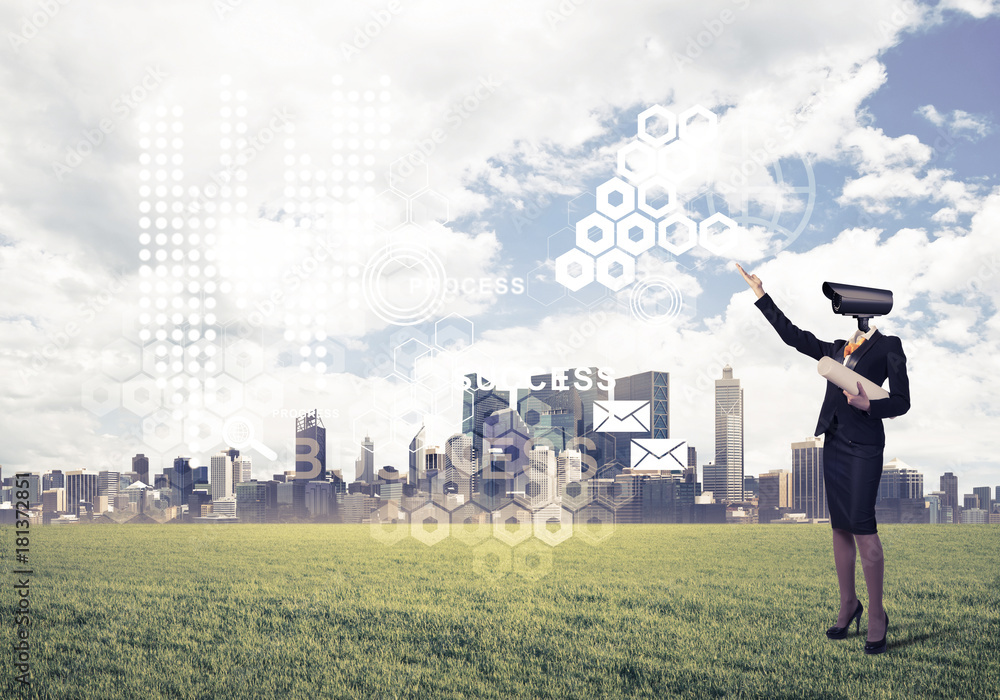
x=404, y=284
x=656, y=300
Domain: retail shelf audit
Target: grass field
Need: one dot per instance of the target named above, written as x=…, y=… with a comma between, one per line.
x=315, y=611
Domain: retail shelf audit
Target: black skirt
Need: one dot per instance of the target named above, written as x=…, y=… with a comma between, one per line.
x=851, y=475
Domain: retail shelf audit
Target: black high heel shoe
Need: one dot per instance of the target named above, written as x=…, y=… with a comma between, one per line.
x=880, y=646
x=841, y=632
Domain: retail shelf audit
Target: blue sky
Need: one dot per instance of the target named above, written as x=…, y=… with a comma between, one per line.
x=891, y=107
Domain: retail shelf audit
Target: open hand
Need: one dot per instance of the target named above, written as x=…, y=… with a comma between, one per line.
x=860, y=400
x=753, y=280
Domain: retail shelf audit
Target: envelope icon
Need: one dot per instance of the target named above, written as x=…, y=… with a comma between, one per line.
x=621, y=416
x=658, y=453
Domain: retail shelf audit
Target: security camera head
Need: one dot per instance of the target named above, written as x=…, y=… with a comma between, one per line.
x=860, y=302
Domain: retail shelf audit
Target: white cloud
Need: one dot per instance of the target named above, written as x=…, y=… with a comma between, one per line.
x=546, y=92
x=958, y=123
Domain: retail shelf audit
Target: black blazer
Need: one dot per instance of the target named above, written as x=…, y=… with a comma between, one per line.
x=878, y=358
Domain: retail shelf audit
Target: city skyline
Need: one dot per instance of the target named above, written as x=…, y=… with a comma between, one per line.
x=579, y=430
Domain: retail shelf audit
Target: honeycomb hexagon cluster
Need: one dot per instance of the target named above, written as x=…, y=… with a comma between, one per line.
x=639, y=207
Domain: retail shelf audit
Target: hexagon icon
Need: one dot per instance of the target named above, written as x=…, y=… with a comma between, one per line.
x=543, y=287
x=491, y=559
x=244, y=359
x=202, y=432
x=657, y=125
x=264, y=394
x=141, y=395
x=406, y=355
x=594, y=524
x=616, y=493
x=532, y=560
x=677, y=160
x=698, y=124
x=387, y=526
x=718, y=234
x=453, y=333
x=678, y=234
x=223, y=395
x=657, y=197
x=553, y=525
x=595, y=233
x=576, y=495
x=156, y=359
x=389, y=210
x=512, y=524
x=373, y=420
x=430, y=523
x=615, y=198
x=615, y=270
x=636, y=161
x=575, y=269
x=408, y=175
x=429, y=207
x=100, y=395
x=470, y=523
x=121, y=359
x=636, y=234
x=161, y=432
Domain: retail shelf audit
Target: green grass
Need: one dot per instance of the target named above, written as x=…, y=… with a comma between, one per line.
x=315, y=611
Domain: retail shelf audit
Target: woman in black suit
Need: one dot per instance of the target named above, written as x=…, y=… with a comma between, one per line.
x=854, y=440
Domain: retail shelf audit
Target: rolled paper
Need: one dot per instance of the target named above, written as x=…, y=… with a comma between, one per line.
x=847, y=379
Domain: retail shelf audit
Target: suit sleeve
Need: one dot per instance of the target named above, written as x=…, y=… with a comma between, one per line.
x=803, y=341
x=898, y=401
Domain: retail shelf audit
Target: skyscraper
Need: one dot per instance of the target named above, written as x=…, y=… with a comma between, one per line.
x=81, y=487
x=458, y=465
x=242, y=469
x=221, y=478
x=418, y=460
x=949, y=484
x=729, y=435
x=182, y=480
x=984, y=497
x=53, y=480
x=808, y=490
x=551, y=413
x=140, y=465
x=646, y=386
x=540, y=486
x=107, y=484
x=478, y=402
x=568, y=469
x=310, y=447
x=900, y=481
x=251, y=501
x=776, y=489
x=365, y=464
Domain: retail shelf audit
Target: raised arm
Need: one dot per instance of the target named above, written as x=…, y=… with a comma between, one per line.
x=803, y=341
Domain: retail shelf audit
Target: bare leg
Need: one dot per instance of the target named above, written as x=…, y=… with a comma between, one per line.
x=844, y=555
x=873, y=565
